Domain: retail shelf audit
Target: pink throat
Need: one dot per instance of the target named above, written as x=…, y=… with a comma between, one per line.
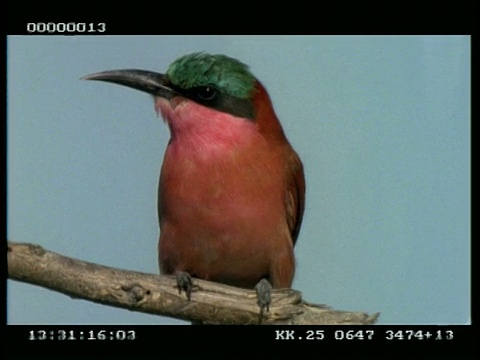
x=196, y=126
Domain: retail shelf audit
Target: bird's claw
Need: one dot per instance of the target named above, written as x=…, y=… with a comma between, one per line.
x=264, y=296
x=184, y=282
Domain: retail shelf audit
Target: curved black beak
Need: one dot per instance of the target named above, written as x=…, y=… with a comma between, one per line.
x=147, y=81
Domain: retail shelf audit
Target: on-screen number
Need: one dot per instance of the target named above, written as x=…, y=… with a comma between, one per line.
x=315, y=335
x=71, y=27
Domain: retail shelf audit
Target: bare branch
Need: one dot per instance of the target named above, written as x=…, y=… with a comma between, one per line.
x=211, y=303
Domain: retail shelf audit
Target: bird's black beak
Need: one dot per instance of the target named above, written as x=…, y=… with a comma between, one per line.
x=147, y=81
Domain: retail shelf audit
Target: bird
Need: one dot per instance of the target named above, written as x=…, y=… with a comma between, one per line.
x=231, y=193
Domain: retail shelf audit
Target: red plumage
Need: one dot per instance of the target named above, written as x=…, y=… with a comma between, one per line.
x=231, y=195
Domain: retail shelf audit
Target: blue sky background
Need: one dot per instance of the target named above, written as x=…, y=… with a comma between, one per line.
x=382, y=125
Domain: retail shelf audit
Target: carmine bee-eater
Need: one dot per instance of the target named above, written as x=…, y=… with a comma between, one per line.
x=232, y=189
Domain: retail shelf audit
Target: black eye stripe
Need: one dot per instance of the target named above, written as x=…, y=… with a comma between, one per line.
x=210, y=96
x=206, y=93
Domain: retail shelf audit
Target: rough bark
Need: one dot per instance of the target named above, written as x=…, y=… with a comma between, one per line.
x=211, y=303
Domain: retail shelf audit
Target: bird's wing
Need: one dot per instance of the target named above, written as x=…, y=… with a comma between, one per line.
x=295, y=197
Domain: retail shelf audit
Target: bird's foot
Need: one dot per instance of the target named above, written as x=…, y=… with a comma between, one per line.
x=264, y=296
x=184, y=282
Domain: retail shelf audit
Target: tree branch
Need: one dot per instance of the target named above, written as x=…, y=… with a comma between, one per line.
x=211, y=303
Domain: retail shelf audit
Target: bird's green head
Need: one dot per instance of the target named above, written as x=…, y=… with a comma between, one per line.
x=226, y=74
x=216, y=81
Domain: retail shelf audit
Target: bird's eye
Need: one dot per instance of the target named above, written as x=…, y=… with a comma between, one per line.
x=206, y=93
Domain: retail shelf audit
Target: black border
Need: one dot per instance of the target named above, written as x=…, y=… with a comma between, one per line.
x=241, y=341
x=248, y=341
x=243, y=18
